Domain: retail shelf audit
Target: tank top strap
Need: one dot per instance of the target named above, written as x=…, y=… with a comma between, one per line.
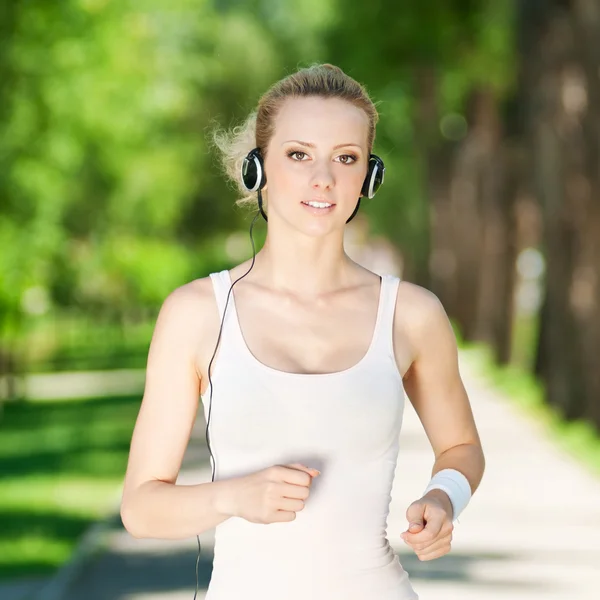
x=221, y=288
x=384, y=335
x=231, y=329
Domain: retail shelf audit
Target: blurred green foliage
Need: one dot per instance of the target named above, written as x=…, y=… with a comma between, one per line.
x=61, y=466
x=110, y=193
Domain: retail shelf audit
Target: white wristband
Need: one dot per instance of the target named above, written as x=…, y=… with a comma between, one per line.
x=456, y=485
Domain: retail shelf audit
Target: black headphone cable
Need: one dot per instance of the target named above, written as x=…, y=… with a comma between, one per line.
x=209, y=367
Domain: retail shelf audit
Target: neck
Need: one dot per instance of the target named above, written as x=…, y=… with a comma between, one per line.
x=303, y=265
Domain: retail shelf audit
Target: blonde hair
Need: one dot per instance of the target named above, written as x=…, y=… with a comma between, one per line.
x=322, y=80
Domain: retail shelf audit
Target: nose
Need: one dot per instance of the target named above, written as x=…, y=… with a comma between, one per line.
x=322, y=175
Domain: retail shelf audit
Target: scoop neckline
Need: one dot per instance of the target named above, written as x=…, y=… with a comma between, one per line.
x=269, y=369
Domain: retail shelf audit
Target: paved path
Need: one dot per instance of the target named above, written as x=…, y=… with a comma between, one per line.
x=531, y=532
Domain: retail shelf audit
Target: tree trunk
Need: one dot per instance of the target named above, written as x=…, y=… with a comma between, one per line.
x=562, y=67
x=434, y=169
x=586, y=291
x=503, y=317
x=436, y=158
x=467, y=219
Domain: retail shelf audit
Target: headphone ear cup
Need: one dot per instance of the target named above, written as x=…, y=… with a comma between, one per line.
x=374, y=177
x=252, y=172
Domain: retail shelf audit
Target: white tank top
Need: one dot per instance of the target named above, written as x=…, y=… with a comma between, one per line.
x=345, y=424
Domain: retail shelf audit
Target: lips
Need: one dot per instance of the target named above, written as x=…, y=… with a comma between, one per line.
x=318, y=200
x=318, y=211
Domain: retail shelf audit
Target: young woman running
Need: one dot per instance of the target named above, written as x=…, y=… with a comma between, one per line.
x=309, y=356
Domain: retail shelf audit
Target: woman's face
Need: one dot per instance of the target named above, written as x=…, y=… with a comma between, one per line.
x=318, y=153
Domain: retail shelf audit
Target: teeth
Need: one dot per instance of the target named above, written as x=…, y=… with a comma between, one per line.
x=319, y=204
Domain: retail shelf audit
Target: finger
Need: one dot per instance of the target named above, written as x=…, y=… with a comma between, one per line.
x=300, y=468
x=439, y=554
x=415, y=527
x=432, y=530
x=294, y=475
x=291, y=504
x=415, y=516
x=427, y=544
x=429, y=547
x=310, y=470
x=435, y=552
x=289, y=490
x=283, y=516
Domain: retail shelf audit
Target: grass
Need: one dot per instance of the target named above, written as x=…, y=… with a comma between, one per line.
x=70, y=341
x=61, y=468
x=578, y=438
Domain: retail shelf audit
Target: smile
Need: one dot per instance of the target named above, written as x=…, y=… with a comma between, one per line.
x=318, y=204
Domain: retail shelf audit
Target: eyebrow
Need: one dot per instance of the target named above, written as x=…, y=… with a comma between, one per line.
x=309, y=145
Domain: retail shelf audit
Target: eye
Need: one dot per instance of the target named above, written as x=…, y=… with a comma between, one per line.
x=346, y=159
x=292, y=152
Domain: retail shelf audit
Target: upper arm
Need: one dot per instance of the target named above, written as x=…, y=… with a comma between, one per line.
x=171, y=393
x=433, y=382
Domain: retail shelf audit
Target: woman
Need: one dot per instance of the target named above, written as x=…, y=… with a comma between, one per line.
x=310, y=368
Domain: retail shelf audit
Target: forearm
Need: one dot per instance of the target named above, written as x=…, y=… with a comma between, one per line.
x=466, y=458
x=169, y=511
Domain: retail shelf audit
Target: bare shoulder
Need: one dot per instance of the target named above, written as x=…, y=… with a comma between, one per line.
x=417, y=306
x=191, y=296
x=188, y=309
x=420, y=318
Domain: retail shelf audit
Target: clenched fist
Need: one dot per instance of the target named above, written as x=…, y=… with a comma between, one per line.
x=273, y=495
x=430, y=530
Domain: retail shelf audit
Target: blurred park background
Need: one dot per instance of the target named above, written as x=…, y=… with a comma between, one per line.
x=111, y=197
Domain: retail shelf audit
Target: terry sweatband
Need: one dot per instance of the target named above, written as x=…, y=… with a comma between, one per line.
x=456, y=485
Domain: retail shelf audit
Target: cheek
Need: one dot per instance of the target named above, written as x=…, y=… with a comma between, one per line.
x=283, y=175
x=358, y=178
x=352, y=181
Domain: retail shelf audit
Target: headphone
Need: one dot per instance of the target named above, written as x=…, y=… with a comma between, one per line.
x=254, y=179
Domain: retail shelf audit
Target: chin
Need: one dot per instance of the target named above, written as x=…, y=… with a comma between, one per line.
x=317, y=232
x=320, y=227
x=312, y=225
